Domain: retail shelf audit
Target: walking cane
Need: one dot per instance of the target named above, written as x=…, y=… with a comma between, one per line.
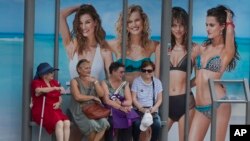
x=41, y=121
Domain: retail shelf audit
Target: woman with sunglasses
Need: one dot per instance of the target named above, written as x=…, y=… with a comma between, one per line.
x=147, y=97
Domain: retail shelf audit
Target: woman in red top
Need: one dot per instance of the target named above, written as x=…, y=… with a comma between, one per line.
x=54, y=119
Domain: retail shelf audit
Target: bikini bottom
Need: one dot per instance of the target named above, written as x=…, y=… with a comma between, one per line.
x=207, y=109
x=177, y=106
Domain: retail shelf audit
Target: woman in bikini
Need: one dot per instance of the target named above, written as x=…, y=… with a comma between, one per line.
x=87, y=40
x=139, y=46
x=217, y=55
x=178, y=71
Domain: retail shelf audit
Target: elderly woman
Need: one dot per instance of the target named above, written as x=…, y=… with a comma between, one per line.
x=53, y=119
x=86, y=88
x=118, y=98
x=147, y=97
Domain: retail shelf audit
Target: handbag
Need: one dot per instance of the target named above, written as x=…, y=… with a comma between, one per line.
x=95, y=111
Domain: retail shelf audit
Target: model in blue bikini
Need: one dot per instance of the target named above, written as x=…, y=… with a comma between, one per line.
x=217, y=54
x=139, y=46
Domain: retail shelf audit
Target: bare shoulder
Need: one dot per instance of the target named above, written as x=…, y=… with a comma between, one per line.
x=197, y=47
x=73, y=82
x=155, y=43
x=114, y=45
x=105, y=51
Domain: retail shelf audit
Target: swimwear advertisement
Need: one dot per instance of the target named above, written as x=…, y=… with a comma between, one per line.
x=220, y=50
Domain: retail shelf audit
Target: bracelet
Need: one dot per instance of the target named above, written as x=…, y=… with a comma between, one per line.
x=230, y=23
x=96, y=82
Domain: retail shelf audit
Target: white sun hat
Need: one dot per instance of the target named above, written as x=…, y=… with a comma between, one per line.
x=147, y=120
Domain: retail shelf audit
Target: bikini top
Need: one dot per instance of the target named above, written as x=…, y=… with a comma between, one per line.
x=213, y=64
x=133, y=65
x=181, y=66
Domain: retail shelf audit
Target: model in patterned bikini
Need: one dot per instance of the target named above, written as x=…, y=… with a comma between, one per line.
x=217, y=55
x=139, y=46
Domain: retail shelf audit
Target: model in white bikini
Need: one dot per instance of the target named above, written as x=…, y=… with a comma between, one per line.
x=87, y=40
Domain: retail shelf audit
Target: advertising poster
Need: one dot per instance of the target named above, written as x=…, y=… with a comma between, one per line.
x=12, y=44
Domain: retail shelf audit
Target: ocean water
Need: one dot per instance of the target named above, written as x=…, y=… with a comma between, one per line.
x=11, y=53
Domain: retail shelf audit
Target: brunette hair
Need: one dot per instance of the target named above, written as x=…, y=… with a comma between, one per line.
x=114, y=66
x=77, y=30
x=147, y=63
x=220, y=15
x=180, y=16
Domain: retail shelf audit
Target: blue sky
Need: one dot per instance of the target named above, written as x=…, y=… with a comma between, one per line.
x=12, y=17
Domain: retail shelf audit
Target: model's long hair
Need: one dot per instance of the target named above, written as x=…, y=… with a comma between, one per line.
x=145, y=35
x=77, y=31
x=181, y=16
x=220, y=14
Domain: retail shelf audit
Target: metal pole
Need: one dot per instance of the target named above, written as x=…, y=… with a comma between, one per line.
x=214, y=103
x=28, y=61
x=124, y=30
x=188, y=89
x=164, y=69
x=56, y=43
x=246, y=88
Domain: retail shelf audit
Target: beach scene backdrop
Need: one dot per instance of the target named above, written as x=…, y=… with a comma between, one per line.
x=12, y=45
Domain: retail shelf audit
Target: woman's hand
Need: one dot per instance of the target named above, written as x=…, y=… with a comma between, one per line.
x=63, y=91
x=144, y=110
x=125, y=109
x=92, y=79
x=229, y=16
x=152, y=110
x=97, y=99
x=118, y=101
x=56, y=105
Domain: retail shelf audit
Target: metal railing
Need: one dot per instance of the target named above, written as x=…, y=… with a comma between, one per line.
x=216, y=102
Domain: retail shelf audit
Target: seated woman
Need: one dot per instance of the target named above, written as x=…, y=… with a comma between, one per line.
x=53, y=119
x=118, y=97
x=147, y=97
x=86, y=88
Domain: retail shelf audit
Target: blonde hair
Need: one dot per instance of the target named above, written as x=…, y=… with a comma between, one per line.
x=145, y=31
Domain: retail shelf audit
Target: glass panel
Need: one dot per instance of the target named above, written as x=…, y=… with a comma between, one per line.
x=11, y=56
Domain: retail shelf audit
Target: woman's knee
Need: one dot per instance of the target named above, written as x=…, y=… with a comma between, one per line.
x=66, y=124
x=59, y=124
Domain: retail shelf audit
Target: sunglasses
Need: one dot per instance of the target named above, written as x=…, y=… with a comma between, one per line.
x=145, y=70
